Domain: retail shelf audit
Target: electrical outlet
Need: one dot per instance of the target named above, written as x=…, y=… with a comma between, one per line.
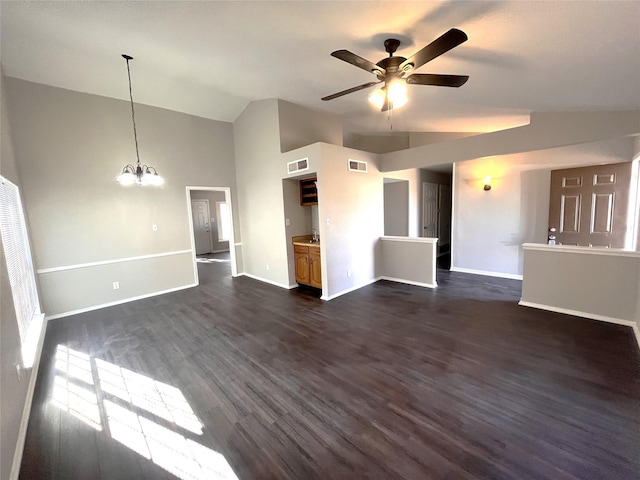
x=348, y=273
x=267, y=266
x=116, y=285
x=18, y=371
x=287, y=222
x=328, y=221
x=154, y=227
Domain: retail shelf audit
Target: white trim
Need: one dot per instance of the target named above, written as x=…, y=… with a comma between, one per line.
x=591, y=316
x=109, y=262
x=614, y=252
x=26, y=411
x=348, y=290
x=221, y=251
x=486, y=273
x=409, y=282
x=271, y=282
x=454, y=192
x=410, y=239
x=119, y=302
x=239, y=244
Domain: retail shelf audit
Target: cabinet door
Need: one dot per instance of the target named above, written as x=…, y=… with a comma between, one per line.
x=315, y=268
x=302, y=268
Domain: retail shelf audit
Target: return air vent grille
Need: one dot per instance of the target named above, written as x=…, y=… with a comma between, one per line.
x=298, y=165
x=357, y=166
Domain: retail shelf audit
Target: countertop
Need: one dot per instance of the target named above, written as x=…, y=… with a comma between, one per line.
x=305, y=240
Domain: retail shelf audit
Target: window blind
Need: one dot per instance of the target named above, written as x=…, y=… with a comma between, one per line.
x=17, y=252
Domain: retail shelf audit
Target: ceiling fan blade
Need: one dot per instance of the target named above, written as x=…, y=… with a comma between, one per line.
x=442, y=44
x=350, y=90
x=353, y=59
x=437, y=80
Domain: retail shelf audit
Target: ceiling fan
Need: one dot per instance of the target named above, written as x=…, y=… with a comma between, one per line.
x=397, y=70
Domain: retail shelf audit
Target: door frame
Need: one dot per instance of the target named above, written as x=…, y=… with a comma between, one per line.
x=232, y=243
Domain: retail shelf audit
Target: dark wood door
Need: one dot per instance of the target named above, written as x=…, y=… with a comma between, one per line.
x=588, y=206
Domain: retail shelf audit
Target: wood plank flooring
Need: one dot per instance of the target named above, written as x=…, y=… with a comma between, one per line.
x=240, y=379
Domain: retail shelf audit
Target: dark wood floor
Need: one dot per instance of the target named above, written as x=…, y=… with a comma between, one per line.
x=388, y=382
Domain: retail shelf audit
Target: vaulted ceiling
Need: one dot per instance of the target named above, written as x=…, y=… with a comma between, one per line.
x=212, y=58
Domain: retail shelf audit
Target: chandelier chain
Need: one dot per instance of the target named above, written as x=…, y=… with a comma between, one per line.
x=133, y=115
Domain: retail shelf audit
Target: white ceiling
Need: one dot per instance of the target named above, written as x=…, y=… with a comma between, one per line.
x=212, y=58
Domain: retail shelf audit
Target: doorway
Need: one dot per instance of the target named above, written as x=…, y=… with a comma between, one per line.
x=211, y=225
x=437, y=211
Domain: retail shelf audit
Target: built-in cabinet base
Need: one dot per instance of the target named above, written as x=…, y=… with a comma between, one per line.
x=308, y=264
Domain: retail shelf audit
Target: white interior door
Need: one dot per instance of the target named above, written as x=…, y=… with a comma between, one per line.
x=430, y=210
x=201, y=226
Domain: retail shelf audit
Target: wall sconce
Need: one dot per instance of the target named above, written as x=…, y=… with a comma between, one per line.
x=487, y=183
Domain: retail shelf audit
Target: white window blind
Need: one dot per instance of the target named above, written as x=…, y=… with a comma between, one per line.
x=17, y=252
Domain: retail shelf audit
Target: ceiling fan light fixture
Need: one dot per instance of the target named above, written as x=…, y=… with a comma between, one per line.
x=377, y=97
x=397, y=93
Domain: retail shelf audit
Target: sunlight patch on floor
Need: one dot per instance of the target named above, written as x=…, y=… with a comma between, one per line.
x=213, y=260
x=128, y=404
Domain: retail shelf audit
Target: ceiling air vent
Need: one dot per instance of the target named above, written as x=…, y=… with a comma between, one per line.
x=357, y=166
x=298, y=165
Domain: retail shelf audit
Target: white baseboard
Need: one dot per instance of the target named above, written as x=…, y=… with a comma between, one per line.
x=409, y=282
x=270, y=282
x=487, y=273
x=591, y=316
x=349, y=290
x=119, y=302
x=26, y=411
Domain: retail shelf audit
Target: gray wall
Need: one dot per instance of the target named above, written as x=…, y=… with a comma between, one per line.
x=300, y=126
x=489, y=227
x=547, y=130
x=407, y=260
x=13, y=392
x=70, y=147
x=377, y=143
x=259, y=174
x=588, y=284
x=396, y=207
x=353, y=203
x=214, y=222
x=417, y=139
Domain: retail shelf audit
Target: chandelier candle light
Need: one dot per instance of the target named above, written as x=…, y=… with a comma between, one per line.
x=140, y=174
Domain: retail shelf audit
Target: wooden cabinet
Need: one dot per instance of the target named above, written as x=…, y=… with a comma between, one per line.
x=308, y=191
x=301, y=255
x=315, y=267
x=308, y=265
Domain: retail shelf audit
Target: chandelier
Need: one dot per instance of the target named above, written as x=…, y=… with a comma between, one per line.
x=140, y=174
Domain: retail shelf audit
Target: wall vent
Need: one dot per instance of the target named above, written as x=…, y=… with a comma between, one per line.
x=357, y=166
x=298, y=165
